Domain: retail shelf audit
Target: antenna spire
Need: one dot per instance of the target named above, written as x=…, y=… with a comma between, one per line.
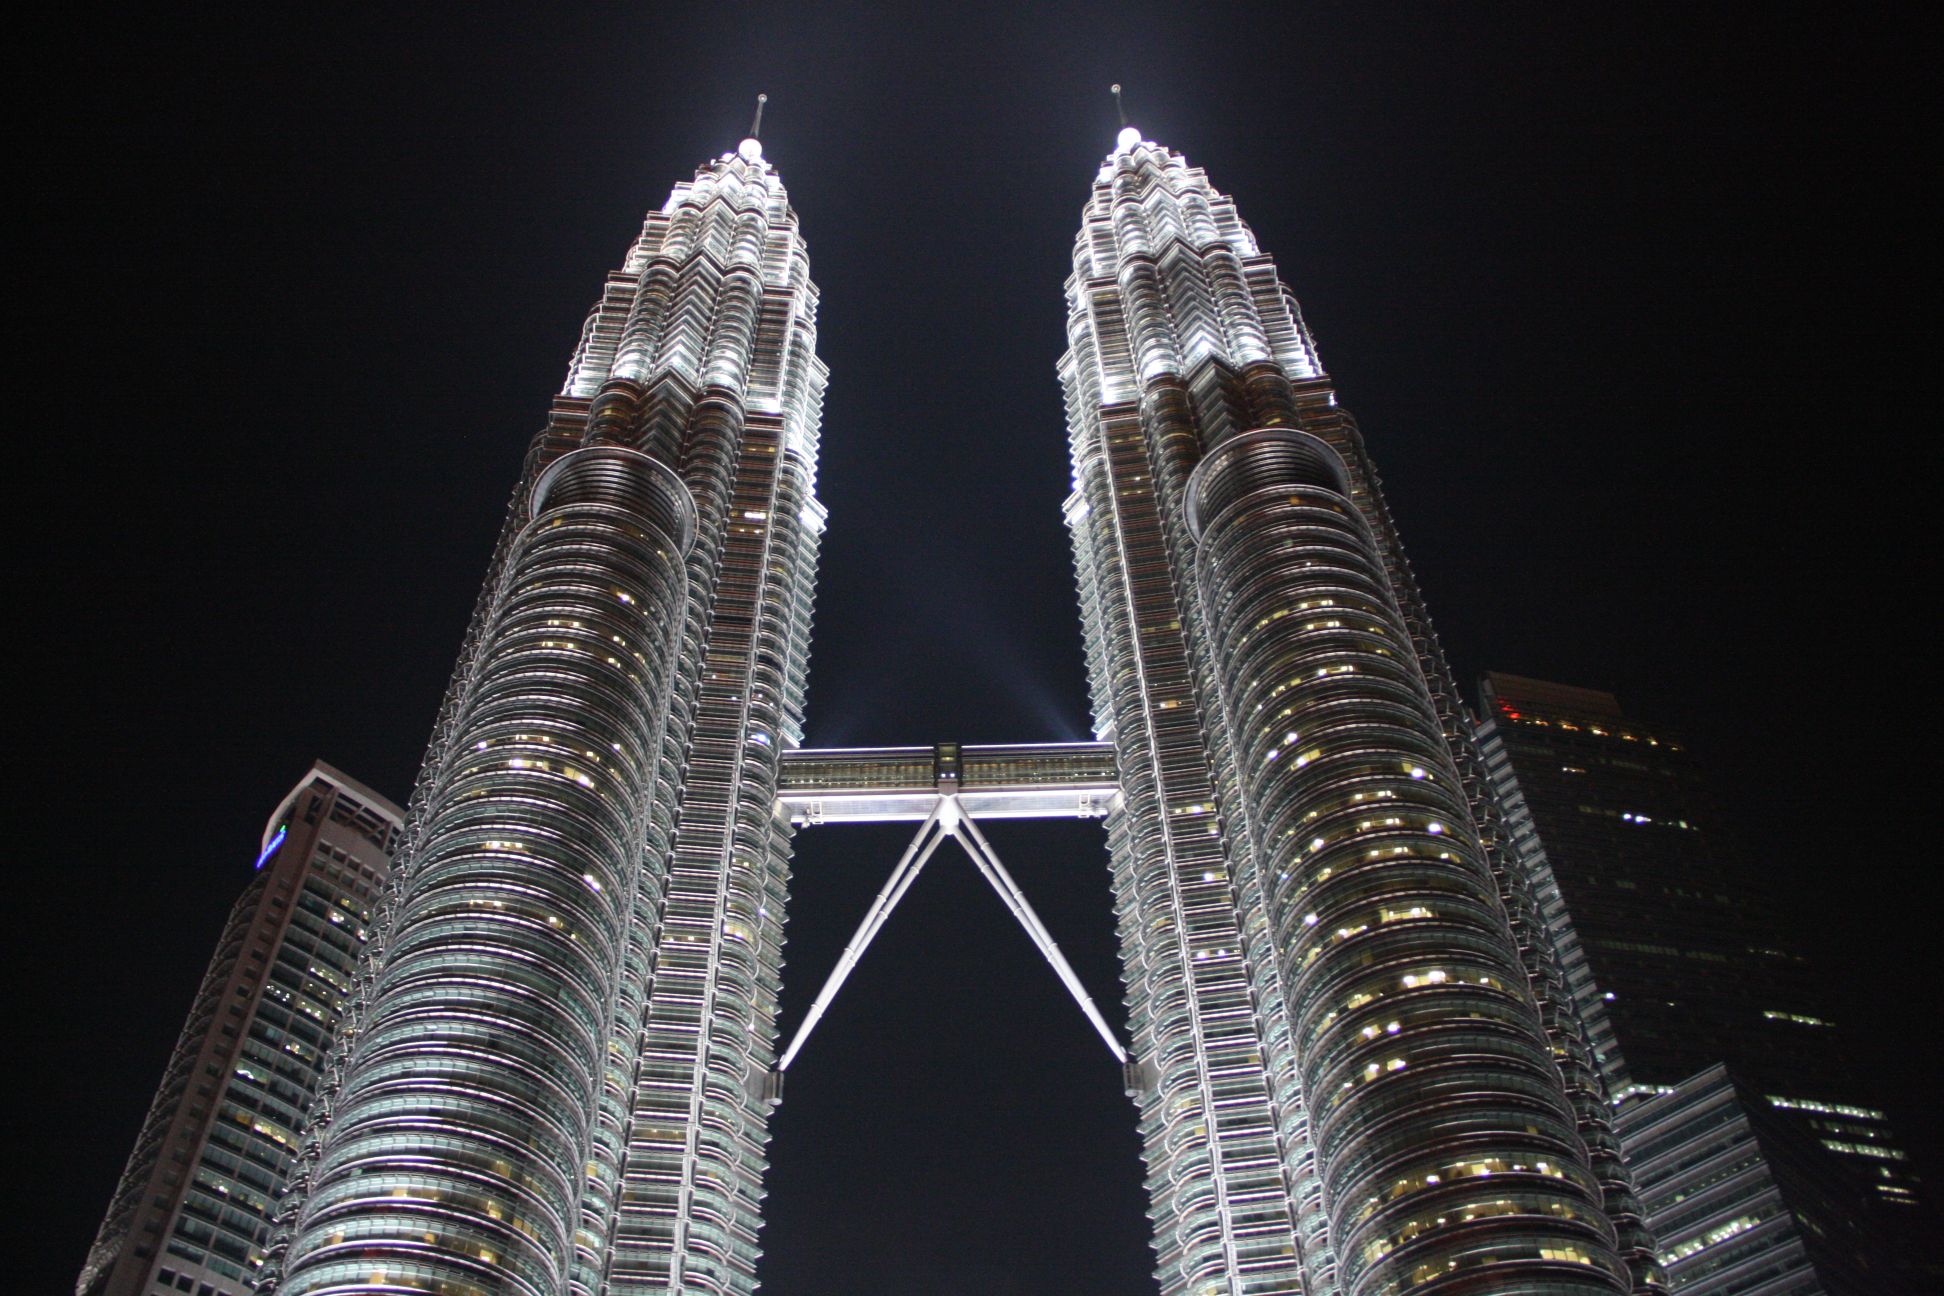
x=756, y=126
x=1119, y=107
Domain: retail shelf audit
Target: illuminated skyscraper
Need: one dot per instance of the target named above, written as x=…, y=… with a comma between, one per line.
x=1364, y=1072
x=194, y=1209
x=556, y=1076
x=1358, y=1066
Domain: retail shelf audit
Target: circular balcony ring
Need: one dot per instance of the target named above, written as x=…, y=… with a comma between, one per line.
x=622, y=478
x=1267, y=457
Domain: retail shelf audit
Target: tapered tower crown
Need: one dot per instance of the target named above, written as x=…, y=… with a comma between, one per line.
x=1167, y=278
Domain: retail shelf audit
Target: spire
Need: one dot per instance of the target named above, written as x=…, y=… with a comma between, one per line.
x=1129, y=136
x=751, y=149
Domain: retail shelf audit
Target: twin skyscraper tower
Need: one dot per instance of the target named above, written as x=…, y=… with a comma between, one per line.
x=1357, y=1066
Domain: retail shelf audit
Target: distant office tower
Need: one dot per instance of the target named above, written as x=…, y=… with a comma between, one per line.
x=194, y=1208
x=558, y=1077
x=1744, y=1203
x=1366, y=1073
x=1673, y=948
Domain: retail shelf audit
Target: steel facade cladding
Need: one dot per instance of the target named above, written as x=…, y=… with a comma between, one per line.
x=458, y=1137
x=1357, y=808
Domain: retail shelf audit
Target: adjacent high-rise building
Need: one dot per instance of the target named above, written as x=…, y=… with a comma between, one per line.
x=1744, y=1204
x=1361, y=1059
x=1760, y=1158
x=195, y=1207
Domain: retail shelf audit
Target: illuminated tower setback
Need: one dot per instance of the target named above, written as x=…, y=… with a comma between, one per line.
x=1359, y=1069
x=553, y=1080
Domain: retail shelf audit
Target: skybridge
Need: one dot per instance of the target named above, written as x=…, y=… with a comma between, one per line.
x=945, y=789
x=1010, y=781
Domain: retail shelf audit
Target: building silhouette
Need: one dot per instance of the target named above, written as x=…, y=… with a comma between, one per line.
x=195, y=1206
x=1359, y=1045
x=1763, y=1164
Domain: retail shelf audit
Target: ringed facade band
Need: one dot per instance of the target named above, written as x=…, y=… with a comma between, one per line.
x=1358, y=1066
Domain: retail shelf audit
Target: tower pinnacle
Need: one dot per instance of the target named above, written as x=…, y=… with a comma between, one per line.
x=751, y=149
x=1129, y=135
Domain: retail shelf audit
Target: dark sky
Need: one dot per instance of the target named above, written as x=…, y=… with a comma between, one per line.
x=1626, y=298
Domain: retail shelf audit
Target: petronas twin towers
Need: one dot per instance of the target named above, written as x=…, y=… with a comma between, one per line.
x=1356, y=1066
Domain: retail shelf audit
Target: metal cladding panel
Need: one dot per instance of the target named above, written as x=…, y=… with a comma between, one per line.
x=458, y=1132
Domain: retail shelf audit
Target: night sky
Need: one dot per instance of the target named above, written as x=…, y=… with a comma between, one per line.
x=1625, y=297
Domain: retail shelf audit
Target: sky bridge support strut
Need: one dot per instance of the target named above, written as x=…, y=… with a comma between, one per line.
x=947, y=818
